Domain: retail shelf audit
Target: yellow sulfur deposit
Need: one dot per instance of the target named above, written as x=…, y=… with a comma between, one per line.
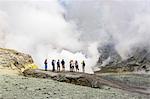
x=31, y=66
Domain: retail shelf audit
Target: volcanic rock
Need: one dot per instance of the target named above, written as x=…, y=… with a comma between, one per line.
x=12, y=61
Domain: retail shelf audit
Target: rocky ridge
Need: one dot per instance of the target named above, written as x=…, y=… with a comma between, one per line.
x=137, y=61
x=13, y=61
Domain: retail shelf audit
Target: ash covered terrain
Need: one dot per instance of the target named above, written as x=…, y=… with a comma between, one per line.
x=16, y=83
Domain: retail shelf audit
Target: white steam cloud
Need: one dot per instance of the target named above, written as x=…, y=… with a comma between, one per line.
x=73, y=29
x=122, y=22
x=40, y=29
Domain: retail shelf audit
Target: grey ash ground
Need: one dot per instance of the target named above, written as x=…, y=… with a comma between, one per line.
x=19, y=87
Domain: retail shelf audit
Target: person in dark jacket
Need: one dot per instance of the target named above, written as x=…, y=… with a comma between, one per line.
x=70, y=65
x=83, y=66
x=53, y=65
x=58, y=65
x=77, y=66
x=63, y=64
x=45, y=62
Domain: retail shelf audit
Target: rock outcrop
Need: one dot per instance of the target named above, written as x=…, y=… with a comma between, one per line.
x=83, y=79
x=69, y=77
x=13, y=61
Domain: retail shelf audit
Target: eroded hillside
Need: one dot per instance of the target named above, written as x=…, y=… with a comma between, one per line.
x=12, y=61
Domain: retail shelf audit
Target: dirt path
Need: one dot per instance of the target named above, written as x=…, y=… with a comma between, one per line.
x=120, y=85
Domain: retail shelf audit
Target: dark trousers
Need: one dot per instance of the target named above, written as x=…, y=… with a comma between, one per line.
x=53, y=68
x=45, y=67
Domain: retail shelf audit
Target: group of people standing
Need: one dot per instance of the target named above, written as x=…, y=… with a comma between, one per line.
x=74, y=66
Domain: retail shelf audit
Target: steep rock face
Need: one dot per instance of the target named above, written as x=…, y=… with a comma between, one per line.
x=139, y=60
x=108, y=52
x=11, y=60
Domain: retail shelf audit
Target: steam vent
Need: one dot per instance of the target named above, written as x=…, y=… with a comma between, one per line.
x=111, y=62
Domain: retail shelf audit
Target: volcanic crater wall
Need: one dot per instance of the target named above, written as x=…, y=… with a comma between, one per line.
x=111, y=61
